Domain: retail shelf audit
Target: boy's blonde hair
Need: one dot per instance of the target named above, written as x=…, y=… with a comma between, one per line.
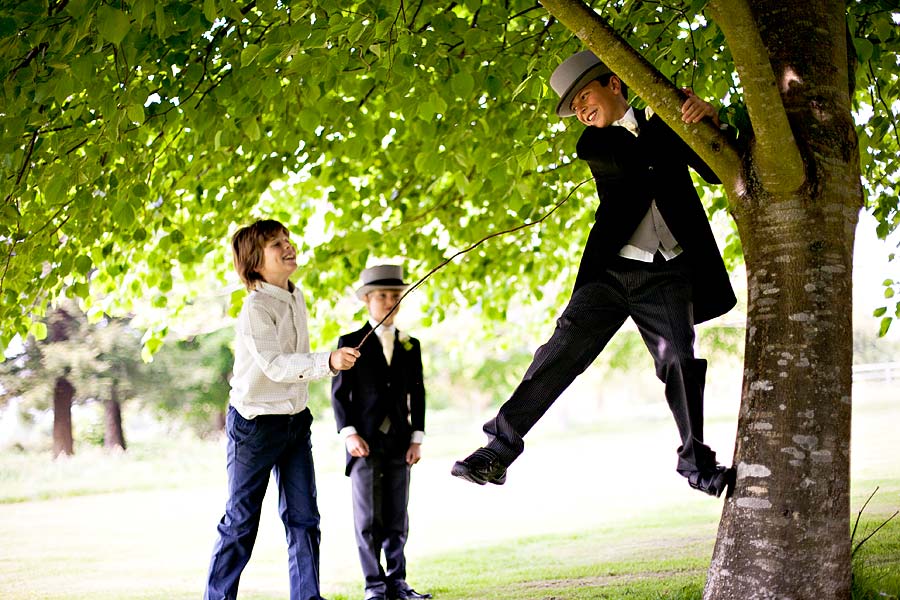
x=247, y=246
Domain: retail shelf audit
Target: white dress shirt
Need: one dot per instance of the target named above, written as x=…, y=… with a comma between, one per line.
x=652, y=225
x=272, y=361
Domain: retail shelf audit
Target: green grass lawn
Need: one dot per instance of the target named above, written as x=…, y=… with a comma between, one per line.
x=141, y=525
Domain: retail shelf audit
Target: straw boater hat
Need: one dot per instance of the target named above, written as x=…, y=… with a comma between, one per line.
x=573, y=74
x=381, y=277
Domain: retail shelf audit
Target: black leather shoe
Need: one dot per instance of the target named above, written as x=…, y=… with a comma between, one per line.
x=409, y=593
x=482, y=466
x=714, y=481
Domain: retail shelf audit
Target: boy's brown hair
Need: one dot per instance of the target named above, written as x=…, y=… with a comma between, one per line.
x=247, y=246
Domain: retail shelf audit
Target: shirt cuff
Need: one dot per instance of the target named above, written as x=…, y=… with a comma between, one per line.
x=323, y=365
x=347, y=431
x=417, y=437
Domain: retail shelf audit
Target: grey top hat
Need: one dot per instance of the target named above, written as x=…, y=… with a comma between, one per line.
x=381, y=277
x=573, y=74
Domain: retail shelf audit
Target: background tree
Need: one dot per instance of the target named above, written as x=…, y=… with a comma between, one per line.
x=42, y=373
x=137, y=134
x=114, y=372
x=76, y=362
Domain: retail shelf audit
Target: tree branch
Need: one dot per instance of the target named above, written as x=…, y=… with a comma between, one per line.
x=704, y=138
x=27, y=158
x=775, y=154
x=28, y=58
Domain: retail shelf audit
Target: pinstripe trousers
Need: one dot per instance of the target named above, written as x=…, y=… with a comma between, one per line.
x=657, y=296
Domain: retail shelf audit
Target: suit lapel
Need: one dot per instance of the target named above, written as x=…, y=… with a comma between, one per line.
x=371, y=349
x=399, y=352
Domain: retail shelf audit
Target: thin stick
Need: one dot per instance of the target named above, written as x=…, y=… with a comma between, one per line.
x=466, y=250
x=866, y=539
x=859, y=514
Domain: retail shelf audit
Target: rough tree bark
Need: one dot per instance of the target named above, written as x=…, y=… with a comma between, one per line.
x=795, y=194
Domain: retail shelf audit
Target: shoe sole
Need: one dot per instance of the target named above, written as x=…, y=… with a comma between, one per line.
x=462, y=470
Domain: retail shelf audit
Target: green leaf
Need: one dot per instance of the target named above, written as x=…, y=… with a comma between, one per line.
x=83, y=69
x=151, y=346
x=81, y=289
x=57, y=190
x=161, y=21
x=112, y=24
x=209, y=10
x=232, y=10
x=83, y=264
x=135, y=113
x=309, y=119
x=7, y=27
x=462, y=84
x=864, y=49
x=251, y=128
x=39, y=330
x=248, y=54
x=140, y=189
x=885, y=326
x=878, y=312
x=461, y=182
x=521, y=87
x=236, y=301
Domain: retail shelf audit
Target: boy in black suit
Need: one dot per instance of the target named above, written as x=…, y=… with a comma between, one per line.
x=380, y=412
x=650, y=255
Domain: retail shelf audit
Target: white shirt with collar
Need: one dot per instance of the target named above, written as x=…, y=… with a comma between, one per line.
x=387, y=334
x=653, y=221
x=273, y=364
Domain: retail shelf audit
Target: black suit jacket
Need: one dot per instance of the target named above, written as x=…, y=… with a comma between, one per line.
x=630, y=172
x=364, y=395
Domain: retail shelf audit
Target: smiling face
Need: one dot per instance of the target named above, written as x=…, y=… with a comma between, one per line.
x=380, y=303
x=597, y=105
x=279, y=260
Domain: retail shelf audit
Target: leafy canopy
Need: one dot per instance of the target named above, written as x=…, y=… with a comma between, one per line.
x=136, y=135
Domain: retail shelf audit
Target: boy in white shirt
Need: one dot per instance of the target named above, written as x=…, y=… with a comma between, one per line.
x=268, y=423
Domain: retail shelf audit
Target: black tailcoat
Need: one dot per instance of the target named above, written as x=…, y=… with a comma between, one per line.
x=364, y=395
x=630, y=172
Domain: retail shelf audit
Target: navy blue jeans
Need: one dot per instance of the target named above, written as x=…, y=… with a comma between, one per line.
x=269, y=443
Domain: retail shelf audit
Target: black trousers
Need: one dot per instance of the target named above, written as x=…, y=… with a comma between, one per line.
x=380, y=485
x=657, y=296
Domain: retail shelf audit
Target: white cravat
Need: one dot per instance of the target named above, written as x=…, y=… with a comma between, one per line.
x=629, y=122
x=386, y=337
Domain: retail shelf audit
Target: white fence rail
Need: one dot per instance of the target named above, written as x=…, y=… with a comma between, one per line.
x=888, y=371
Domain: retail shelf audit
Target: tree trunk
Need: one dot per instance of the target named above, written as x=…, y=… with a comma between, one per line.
x=219, y=421
x=785, y=531
x=63, y=392
x=113, y=437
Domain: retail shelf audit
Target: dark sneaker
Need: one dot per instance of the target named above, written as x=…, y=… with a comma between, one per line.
x=481, y=467
x=714, y=481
